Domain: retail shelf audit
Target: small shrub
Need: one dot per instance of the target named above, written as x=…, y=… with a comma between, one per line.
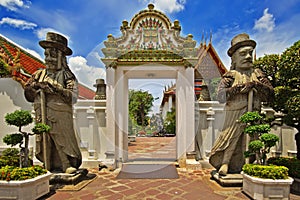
x=293, y=164
x=21, y=118
x=10, y=152
x=13, y=139
x=268, y=172
x=10, y=156
x=261, y=140
x=250, y=117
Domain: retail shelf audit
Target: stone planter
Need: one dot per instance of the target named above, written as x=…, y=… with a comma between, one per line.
x=259, y=188
x=26, y=189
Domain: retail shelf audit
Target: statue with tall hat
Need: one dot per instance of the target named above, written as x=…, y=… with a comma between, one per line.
x=242, y=89
x=53, y=91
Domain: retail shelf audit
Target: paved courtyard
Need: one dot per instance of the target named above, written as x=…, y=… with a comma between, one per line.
x=191, y=185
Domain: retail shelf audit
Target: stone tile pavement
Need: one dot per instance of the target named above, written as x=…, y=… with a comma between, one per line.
x=191, y=185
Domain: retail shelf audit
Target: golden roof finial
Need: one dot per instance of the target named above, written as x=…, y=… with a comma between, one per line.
x=150, y=6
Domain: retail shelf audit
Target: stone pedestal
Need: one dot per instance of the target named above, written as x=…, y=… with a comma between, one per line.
x=230, y=180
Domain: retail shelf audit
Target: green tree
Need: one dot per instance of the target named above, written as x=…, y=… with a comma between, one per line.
x=262, y=140
x=170, y=122
x=284, y=70
x=140, y=104
x=21, y=118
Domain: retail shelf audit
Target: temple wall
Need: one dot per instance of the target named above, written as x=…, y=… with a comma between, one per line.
x=90, y=125
x=11, y=99
x=209, y=122
x=90, y=128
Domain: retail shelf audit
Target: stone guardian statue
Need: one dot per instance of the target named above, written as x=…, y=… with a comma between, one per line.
x=242, y=88
x=53, y=91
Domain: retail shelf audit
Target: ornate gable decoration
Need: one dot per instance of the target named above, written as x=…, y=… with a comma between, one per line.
x=149, y=31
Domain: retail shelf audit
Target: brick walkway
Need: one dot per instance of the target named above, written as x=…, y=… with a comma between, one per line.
x=152, y=148
x=191, y=185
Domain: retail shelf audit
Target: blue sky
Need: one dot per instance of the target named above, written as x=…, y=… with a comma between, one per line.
x=274, y=24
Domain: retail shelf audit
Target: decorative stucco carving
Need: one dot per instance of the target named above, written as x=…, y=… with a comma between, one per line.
x=151, y=35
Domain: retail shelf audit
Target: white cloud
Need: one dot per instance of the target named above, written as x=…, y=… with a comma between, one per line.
x=12, y=4
x=18, y=23
x=169, y=6
x=85, y=74
x=284, y=35
x=266, y=22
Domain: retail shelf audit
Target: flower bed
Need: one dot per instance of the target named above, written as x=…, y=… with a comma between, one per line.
x=32, y=188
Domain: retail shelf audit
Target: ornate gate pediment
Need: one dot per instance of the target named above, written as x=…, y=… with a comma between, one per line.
x=150, y=33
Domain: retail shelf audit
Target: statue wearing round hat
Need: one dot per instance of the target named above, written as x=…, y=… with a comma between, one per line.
x=53, y=91
x=242, y=89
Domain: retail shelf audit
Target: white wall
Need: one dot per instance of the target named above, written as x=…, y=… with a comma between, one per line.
x=11, y=99
x=210, y=120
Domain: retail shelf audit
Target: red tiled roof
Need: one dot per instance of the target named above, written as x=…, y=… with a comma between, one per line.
x=85, y=92
x=30, y=64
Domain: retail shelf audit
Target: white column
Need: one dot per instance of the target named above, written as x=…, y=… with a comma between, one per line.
x=210, y=117
x=91, y=121
x=121, y=107
x=125, y=118
x=190, y=109
x=185, y=113
x=110, y=115
x=180, y=117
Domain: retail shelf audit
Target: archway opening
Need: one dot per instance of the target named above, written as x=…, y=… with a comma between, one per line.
x=155, y=139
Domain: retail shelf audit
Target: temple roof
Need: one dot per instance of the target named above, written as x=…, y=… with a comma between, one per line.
x=22, y=64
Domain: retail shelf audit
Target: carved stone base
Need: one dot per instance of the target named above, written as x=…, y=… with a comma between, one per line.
x=230, y=180
x=68, y=179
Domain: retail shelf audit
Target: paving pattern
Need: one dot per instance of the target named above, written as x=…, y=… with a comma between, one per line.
x=191, y=185
x=152, y=148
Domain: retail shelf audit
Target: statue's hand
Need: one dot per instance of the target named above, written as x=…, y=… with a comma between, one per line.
x=258, y=85
x=43, y=86
x=247, y=87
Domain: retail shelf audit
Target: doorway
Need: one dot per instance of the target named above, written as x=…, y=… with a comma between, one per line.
x=117, y=104
x=155, y=139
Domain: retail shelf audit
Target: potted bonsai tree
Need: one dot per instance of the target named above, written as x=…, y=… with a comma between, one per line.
x=259, y=180
x=24, y=181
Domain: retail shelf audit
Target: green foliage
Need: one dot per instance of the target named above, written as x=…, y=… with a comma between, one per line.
x=19, y=118
x=270, y=65
x=257, y=129
x=4, y=72
x=10, y=157
x=293, y=164
x=269, y=139
x=268, y=172
x=255, y=145
x=140, y=104
x=285, y=72
x=41, y=128
x=10, y=152
x=13, y=139
x=9, y=173
x=261, y=139
x=22, y=118
x=250, y=117
x=170, y=122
